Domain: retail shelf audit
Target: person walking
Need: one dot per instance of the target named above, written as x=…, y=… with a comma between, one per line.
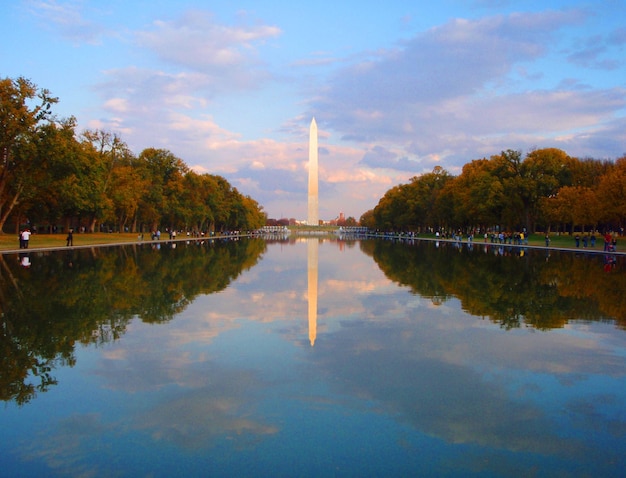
x=25, y=238
x=70, y=237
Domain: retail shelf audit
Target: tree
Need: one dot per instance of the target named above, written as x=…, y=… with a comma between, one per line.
x=19, y=123
x=545, y=171
x=578, y=205
x=427, y=202
x=128, y=187
x=393, y=210
x=60, y=189
x=612, y=194
x=587, y=172
x=516, y=189
x=253, y=215
x=367, y=219
x=163, y=171
x=477, y=195
x=413, y=205
x=196, y=212
x=103, y=152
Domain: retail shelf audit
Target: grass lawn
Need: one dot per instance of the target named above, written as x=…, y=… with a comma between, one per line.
x=11, y=241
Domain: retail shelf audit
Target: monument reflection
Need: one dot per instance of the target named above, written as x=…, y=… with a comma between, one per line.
x=312, y=267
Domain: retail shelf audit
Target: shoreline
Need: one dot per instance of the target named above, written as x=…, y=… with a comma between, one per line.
x=117, y=244
x=495, y=244
x=586, y=250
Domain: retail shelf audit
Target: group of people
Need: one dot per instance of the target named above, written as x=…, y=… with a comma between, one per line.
x=517, y=238
x=610, y=241
x=25, y=237
x=586, y=239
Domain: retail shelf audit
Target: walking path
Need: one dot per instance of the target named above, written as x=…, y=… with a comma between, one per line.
x=400, y=237
x=121, y=243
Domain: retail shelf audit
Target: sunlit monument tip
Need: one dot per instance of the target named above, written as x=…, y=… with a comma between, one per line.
x=313, y=217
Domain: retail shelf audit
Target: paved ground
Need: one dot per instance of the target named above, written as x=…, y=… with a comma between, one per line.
x=114, y=244
x=404, y=238
x=493, y=244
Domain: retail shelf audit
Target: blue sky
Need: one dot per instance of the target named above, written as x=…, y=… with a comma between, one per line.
x=396, y=87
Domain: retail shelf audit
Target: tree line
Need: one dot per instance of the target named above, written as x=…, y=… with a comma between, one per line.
x=545, y=190
x=51, y=176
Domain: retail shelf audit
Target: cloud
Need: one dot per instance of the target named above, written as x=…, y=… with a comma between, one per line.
x=69, y=18
x=455, y=93
x=607, y=141
x=617, y=37
x=273, y=180
x=195, y=41
x=589, y=53
x=455, y=59
x=380, y=157
x=200, y=61
x=201, y=419
x=150, y=89
x=163, y=110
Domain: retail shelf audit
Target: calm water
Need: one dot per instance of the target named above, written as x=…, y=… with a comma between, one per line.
x=312, y=358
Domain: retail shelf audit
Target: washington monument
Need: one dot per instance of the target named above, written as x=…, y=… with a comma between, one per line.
x=313, y=218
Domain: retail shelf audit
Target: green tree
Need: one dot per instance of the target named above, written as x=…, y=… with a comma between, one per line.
x=197, y=213
x=61, y=193
x=103, y=152
x=414, y=205
x=252, y=216
x=19, y=121
x=394, y=210
x=163, y=171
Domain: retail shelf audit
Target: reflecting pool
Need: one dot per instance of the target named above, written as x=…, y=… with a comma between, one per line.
x=312, y=357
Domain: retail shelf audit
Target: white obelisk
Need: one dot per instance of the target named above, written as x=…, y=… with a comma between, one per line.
x=313, y=218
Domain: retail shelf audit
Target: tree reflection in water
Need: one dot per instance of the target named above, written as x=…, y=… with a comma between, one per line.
x=89, y=296
x=508, y=285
